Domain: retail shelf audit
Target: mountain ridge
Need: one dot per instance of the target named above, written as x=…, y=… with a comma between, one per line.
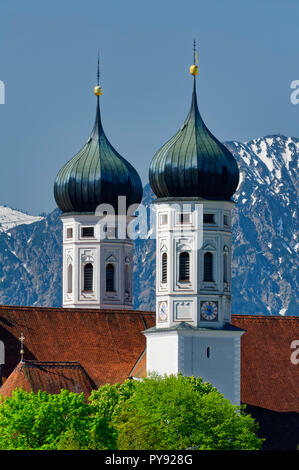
x=265, y=240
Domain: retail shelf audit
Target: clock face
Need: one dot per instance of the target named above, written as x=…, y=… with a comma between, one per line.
x=209, y=310
x=163, y=311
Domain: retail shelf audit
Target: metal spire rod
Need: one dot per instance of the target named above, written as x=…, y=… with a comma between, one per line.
x=98, y=70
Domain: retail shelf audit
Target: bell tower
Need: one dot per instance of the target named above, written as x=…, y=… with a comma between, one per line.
x=97, y=191
x=194, y=177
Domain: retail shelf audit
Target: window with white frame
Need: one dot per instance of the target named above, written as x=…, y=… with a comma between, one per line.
x=184, y=267
x=88, y=278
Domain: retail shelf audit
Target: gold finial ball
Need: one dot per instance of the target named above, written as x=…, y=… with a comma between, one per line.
x=98, y=90
x=194, y=70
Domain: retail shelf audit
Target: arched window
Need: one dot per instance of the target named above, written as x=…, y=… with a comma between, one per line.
x=164, y=267
x=184, y=267
x=88, y=277
x=109, y=278
x=224, y=267
x=70, y=279
x=208, y=267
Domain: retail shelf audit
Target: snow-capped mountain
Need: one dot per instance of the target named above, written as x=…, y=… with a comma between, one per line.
x=265, y=231
x=10, y=218
x=265, y=226
x=265, y=242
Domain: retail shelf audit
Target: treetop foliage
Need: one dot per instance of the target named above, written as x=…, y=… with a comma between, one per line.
x=163, y=413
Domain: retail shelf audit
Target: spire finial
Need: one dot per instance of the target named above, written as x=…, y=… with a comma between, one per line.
x=194, y=67
x=98, y=71
x=22, y=339
x=98, y=91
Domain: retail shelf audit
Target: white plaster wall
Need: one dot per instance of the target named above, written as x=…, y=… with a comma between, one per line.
x=162, y=353
x=176, y=351
x=221, y=369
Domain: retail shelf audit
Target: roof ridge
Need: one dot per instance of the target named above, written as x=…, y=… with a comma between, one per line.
x=32, y=363
x=266, y=317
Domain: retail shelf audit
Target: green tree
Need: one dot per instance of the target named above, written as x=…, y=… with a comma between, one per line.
x=44, y=421
x=166, y=413
x=107, y=403
x=178, y=412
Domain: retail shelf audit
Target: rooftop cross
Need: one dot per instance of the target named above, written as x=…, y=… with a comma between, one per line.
x=22, y=339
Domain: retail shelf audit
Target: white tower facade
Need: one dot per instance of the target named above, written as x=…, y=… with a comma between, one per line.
x=193, y=262
x=194, y=176
x=193, y=334
x=97, y=271
x=98, y=192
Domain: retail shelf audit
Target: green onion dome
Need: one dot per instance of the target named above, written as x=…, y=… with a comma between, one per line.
x=194, y=163
x=96, y=175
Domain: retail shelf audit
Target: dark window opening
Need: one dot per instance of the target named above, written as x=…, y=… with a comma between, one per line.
x=88, y=277
x=225, y=220
x=208, y=352
x=87, y=231
x=208, y=267
x=127, y=279
x=109, y=278
x=208, y=219
x=184, y=267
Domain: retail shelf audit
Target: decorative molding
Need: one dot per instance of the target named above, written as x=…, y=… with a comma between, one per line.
x=87, y=257
x=111, y=259
x=183, y=310
x=69, y=259
x=209, y=247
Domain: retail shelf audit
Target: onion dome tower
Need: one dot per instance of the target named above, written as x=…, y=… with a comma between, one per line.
x=95, y=190
x=193, y=163
x=194, y=177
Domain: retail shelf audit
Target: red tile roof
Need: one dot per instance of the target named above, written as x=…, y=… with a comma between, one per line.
x=48, y=376
x=268, y=377
x=106, y=343
x=110, y=346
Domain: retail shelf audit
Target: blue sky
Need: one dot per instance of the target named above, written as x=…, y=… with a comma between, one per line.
x=248, y=56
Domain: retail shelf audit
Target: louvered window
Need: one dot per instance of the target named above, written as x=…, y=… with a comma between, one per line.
x=208, y=267
x=184, y=267
x=164, y=267
x=88, y=277
x=109, y=278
